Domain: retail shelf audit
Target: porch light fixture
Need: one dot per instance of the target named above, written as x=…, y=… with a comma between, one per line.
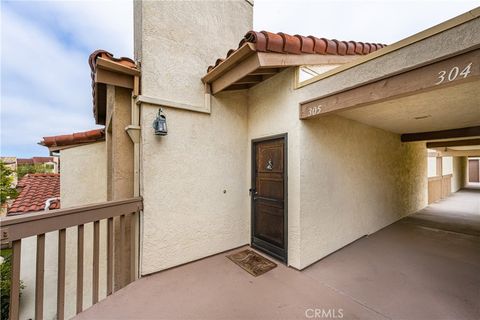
x=160, y=124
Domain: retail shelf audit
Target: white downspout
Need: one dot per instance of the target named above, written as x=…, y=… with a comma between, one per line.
x=49, y=201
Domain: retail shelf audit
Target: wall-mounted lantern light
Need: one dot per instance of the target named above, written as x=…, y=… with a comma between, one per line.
x=160, y=124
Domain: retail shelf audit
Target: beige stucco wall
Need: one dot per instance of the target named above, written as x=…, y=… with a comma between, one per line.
x=356, y=180
x=82, y=181
x=345, y=179
x=194, y=188
x=192, y=180
x=459, y=173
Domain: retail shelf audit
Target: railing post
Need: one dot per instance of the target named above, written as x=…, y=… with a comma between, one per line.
x=122, y=269
x=96, y=258
x=133, y=242
x=109, y=256
x=15, y=280
x=80, y=235
x=39, y=276
x=61, y=275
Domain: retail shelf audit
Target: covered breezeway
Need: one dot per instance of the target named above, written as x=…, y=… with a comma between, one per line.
x=423, y=88
x=433, y=101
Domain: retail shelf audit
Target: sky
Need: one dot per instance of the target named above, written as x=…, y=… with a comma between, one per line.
x=45, y=77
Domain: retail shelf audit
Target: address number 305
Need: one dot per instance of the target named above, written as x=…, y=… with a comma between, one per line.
x=454, y=73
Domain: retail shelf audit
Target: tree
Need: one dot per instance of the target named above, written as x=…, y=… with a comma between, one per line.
x=7, y=190
x=31, y=168
x=6, y=283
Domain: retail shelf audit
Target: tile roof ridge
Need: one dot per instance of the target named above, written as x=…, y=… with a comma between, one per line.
x=266, y=41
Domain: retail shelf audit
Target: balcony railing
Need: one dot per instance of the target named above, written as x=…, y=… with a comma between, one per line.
x=16, y=228
x=439, y=187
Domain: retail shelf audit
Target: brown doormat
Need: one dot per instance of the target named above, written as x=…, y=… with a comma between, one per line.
x=252, y=262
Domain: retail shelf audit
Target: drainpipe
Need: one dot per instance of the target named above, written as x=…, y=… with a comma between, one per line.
x=49, y=201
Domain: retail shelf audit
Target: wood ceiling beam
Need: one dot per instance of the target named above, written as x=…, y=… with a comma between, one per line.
x=444, y=134
x=454, y=143
x=265, y=71
x=238, y=87
x=250, y=79
x=448, y=72
x=282, y=60
x=114, y=78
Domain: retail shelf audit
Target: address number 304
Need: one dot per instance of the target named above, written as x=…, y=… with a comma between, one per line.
x=454, y=73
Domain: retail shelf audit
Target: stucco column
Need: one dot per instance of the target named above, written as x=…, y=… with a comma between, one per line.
x=120, y=165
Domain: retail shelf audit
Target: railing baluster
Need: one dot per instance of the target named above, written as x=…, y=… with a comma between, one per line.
x=15, y=281
x=133, y=233
x=96, y=257
x=61, y=275
x=110, y=256
x=79, y=269
x=39, y=276
x=122, y=248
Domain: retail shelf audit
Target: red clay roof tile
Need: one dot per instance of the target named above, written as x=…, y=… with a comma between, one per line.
x=36, y=189
x=265, y=41
x=307, y=44
x=74, y=138
x=34, y=160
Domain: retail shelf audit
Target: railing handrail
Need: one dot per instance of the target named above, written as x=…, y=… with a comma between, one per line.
x=449, y=175
x=35, y=223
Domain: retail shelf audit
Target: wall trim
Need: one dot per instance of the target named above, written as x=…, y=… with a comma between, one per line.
x=206, y=108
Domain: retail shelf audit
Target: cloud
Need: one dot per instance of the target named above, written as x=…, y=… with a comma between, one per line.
x=34, y=121
x=46, y=87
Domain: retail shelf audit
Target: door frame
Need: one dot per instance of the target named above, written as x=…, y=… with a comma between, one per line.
x=265, y=246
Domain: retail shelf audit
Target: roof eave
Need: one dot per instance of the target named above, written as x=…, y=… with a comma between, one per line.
x=245, y=70
x=109, y=72
x=102, y=63
x=241, y=54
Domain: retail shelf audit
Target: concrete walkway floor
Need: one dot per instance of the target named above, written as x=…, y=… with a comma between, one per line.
x=426, y=266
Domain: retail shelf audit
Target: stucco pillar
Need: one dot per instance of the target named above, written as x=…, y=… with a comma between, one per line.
x=120, y=164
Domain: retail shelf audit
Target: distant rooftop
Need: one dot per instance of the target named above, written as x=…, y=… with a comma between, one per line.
x=34, y=160
x=36, y=189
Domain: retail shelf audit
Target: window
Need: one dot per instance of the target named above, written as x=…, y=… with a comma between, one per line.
x=447, y=165
x=432, y=166
x=306, y=73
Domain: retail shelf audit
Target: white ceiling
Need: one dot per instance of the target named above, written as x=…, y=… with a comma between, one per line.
x=448, y=108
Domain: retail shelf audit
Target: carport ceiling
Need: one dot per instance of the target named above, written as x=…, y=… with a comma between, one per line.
x=447, y=108
x=465, y=148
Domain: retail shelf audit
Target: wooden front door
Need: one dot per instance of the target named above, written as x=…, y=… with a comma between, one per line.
x=269, y=210
x=473, y=170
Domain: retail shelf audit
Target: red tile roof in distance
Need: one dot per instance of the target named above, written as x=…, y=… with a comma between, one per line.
x=265, y=41
x=74, y=138
x=36, y=188
x=34, y=160
x=92, y=61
